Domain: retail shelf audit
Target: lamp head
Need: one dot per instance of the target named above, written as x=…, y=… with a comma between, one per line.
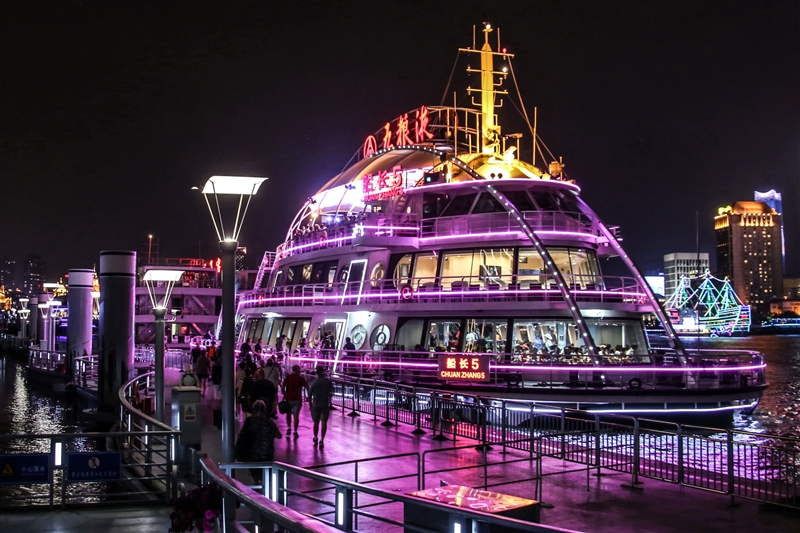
x=161, y=278
x=241, y=186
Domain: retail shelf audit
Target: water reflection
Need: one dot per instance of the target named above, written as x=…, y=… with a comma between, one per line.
x=31, y=409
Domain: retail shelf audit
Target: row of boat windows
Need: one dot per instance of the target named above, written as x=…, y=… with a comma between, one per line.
x=474, y=203
x=485, y=266
x=623, y=339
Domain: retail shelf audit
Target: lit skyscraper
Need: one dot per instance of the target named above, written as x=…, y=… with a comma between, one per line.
x=33, y=275
x=749, y=252
x=773, y=199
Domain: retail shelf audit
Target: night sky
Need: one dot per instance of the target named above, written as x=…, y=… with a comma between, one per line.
x=110, y=111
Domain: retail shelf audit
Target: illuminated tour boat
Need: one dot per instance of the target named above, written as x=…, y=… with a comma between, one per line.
x=454, y=266
x=705, y=305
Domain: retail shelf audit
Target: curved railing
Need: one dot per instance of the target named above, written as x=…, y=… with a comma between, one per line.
x=455, y=289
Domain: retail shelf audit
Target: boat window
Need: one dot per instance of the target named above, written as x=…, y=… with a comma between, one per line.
x=544, y=201
x=560, y=258
x=307, y=272
x=425, y=269
x=343, y=273
x=487, y=204
x=485, y=335
x=377, y=274
x=618, y=341
x=530, y=269
x=444, y=335
x=280, y=279
x=521, y=200
x=331, y=272
x=358, y=335
x=301, y=337
x=548, y=341
x=288, y=330
x=410, y=334
x=473, y=269
x=460, y=205
x=267, y=331
x=402, y=272
x=276, y=331
x=432, y=205
x=380, y=337
x=290, y=275
x=584, y=268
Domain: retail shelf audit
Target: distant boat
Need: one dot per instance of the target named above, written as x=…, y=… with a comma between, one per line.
x=705, y=305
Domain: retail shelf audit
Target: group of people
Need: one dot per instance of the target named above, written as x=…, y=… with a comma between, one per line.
x=256, y=441
x=206, y=362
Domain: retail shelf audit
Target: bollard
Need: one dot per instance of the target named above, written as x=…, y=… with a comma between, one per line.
x=417, y=415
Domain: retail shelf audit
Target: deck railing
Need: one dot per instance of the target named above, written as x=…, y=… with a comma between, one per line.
x=455, y=289
x=702, y=370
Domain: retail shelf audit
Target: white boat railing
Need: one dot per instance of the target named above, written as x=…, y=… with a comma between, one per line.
x=53, y=361
x=505, y=288
x=663, y=371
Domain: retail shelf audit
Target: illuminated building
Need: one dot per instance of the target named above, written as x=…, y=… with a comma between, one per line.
x=749, y=252
x=33, y=275
x=682, y=264
x=8, y=274
x=773, y=199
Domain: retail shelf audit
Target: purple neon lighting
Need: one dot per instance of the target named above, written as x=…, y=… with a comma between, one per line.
x=533, y=367
x=426, y=294
x=496, y=233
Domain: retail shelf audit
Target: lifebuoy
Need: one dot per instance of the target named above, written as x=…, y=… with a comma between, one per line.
x=635, y=383
x=406, y=292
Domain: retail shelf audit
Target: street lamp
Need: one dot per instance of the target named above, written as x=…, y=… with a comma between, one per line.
x=229, y=186
x=166, y=279
x=54, y=306
x=44, y=338
x=24, y=313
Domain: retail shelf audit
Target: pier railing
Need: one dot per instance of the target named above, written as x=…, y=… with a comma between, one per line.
x=736, y=463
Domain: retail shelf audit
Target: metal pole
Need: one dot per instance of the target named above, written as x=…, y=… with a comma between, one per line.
x=159, y=313
x=228, y=249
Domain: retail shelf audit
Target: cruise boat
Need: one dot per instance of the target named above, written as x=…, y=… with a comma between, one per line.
x=706, y=305
x=451, y=264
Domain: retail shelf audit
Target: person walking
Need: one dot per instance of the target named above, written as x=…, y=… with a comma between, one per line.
x=350, y=348
x=256, y=440
x=292, y=389
x=320, y=394
x=264, y=390
x=203, y=368
x=216, y=381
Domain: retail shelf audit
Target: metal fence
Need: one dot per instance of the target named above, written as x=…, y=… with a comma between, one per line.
x=737, y=463
x=140, y=450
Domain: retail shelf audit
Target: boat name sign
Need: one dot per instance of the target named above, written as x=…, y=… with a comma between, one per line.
x=463, y=367
x=384, y=184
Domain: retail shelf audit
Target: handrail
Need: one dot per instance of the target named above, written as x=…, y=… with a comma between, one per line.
x=237, y=489
x=284, y=517
x=126, y=405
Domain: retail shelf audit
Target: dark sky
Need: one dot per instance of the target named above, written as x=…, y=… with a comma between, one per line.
x=111, y=111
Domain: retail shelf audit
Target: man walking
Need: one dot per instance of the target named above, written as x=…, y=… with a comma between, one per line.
x=320, y=402
x=292, y=388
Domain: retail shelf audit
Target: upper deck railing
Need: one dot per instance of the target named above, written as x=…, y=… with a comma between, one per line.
x=442, y=289
x=377, y=226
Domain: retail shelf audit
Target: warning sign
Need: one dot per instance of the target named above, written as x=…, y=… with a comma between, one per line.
x=24, y=468
x=190, y=413
x=93, y=466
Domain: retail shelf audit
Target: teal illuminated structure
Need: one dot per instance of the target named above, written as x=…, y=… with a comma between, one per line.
x=707, y=305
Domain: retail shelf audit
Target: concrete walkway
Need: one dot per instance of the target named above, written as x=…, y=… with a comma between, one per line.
x=580, y=502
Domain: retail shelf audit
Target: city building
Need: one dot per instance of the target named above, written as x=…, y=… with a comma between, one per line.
x=682, y=264
x=33, y=275
x=773, y=199
x=749, y=252
x=8, y=274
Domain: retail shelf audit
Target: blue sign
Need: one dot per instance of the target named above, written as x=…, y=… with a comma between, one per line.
x=22, y=469
x=93, y=466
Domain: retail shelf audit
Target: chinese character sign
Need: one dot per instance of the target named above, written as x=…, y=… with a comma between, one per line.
x=463, y=367
x=384, y=184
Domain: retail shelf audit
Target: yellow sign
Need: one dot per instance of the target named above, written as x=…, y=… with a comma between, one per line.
x=7, y=470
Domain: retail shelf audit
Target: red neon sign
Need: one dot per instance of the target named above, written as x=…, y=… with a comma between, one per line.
x=402, y=135
x=461, y=367
x=384, y=184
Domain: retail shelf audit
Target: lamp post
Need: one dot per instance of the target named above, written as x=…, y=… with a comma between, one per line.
x=166, y=279
x=51, y=334
x=24, y=312
x=44, y=339
x=230, y=187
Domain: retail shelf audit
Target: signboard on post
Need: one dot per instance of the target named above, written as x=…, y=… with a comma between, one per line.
x=21, y=469
x=463, y=367
x=93, y=466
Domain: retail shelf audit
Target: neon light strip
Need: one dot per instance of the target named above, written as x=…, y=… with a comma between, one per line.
x=534, y=367
x=425, y=295
x=496, y=233
x=653, y=411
